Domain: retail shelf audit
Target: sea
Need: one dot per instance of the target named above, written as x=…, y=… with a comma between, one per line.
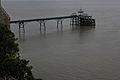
x=71, y=53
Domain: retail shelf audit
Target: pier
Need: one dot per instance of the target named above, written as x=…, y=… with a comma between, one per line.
x=80, y=19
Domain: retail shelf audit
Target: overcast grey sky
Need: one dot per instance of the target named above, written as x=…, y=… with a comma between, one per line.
x=37, y=0
x=43, y=0
x=114, y=1
x=60, y=0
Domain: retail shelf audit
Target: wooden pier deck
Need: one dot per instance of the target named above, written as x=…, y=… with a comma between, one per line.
x=43, y=19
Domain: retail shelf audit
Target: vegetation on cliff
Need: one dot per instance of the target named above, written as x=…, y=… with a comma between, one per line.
x=11, y=65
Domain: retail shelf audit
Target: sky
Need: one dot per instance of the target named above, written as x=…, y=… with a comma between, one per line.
x=43, y=0
x=114, y=1
x=36, y=0
x=60, y=0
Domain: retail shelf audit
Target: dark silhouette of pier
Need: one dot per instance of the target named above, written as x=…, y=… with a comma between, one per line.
x=75, y=19
x=43, y=19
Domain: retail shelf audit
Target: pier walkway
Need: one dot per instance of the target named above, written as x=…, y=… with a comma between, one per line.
x=43, y=19
x=42, y=22
x=75, y=19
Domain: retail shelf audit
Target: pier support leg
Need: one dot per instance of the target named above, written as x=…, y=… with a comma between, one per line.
x=61, y=24
x=59, y=21
x=76, y=21
x=73, y=21
x=70, y=21
x=42, y=24
x=21, y=30
x=21, y=27
x=57, y=24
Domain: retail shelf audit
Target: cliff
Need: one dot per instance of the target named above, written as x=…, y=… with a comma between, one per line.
x=4, y=17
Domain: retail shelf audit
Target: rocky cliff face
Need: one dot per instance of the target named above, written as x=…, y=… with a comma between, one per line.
x=4, y=17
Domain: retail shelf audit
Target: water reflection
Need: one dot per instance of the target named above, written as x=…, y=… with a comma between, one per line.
x=82, y=28
x=43, y=35
x=85, y=33
x=21, y=36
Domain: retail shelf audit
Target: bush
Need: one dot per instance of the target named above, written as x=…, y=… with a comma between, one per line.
x=11, y=65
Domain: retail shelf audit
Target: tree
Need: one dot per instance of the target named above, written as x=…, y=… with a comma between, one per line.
x=11, y=65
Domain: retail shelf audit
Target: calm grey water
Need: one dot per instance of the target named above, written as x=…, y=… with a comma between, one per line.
x=89, y=54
